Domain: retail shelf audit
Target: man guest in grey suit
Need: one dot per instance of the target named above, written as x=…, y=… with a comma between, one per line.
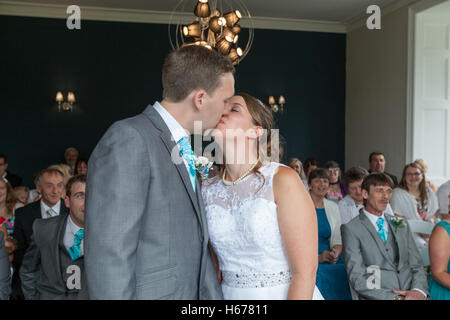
x=380, y=255
x=53, y=267
x=146, y=233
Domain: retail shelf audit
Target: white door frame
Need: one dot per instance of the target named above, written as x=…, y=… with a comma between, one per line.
x=413, y=10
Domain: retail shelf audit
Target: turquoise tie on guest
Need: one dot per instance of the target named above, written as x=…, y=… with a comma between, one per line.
x=75, y=250
x=188, y=155
x=381, y=231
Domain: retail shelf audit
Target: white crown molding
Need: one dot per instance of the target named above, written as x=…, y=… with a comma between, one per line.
x=163, y=17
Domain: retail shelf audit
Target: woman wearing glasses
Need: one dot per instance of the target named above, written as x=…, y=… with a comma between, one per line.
x=337, y=190
x=413, y=199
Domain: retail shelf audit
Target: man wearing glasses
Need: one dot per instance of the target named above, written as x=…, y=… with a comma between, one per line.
x=53, y=266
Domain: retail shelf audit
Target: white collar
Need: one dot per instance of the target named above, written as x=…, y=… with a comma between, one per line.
x=174, y=126
x=72, y=226
x=373, y=218
x=4, y=174
x=55, y=208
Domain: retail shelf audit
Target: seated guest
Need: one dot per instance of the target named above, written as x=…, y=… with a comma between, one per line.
x=51, y=186
x=5, y=274
x=439, y=282
x=7, y=206
x=81, y=167
x=331, y=278
x=296, y=164
x=380, y=256
x=309, y=165
x=71, y=157
x=13, y=179
x=377, y=163
x=337, y=190
x=35, y=195
x=58, y=241
x=443, y=195
x=351, y=204
x=67, y=174
x=414, y=200
x=424, y=166
x=22, y=194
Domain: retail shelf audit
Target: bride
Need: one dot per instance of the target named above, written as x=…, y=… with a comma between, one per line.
x=261, y=220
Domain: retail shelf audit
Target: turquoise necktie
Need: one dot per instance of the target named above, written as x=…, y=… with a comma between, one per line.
x=381, y=231
x=75, y=250
x=188, y=155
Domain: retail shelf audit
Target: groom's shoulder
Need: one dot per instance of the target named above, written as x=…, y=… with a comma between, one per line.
x=135, y=123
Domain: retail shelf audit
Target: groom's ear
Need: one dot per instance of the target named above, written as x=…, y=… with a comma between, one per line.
x=199, y=98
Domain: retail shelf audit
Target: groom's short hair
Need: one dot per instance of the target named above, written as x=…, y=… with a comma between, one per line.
x=376, y=179
x=191, y=68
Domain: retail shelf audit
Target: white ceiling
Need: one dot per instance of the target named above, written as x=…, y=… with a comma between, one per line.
x=336, y=11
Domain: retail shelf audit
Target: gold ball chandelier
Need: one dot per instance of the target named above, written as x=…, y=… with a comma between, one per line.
x=216, y=26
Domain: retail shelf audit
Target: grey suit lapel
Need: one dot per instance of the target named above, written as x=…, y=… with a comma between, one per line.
x=60, y=238
x=400, y=244
x=170, y=144
x=369, y=226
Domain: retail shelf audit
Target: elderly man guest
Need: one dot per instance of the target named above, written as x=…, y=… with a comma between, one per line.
x=381, y=258
x=58, y=241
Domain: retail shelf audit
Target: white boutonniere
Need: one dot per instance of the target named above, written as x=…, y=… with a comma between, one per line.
x=398, y=223
x=202, y=166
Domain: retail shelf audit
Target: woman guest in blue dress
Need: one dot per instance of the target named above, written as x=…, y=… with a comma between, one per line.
x=331, y=276
x=439, y=284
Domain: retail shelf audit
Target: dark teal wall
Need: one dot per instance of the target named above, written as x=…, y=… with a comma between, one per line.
x=115, y=70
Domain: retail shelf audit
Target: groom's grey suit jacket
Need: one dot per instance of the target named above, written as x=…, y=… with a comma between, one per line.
x=145, y=232
x=398, y=259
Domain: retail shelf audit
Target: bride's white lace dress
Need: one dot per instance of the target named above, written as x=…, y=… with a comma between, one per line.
x=243, y=229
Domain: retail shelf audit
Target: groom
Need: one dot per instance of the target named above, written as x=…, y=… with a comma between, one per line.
x=146, y=235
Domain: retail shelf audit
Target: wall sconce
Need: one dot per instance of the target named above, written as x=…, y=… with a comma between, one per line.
x=277, y=107
x=66, y=105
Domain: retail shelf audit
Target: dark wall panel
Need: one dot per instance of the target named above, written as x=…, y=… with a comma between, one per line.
x=115, y=70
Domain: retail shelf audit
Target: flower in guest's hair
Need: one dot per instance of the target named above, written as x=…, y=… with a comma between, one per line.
x=202, y=165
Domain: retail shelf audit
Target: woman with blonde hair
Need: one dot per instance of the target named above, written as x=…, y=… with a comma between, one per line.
x=261, y=220
x=297, y=165
x=7, y=208
x=424, y=166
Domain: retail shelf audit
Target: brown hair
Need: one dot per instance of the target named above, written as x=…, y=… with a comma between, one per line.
x=354, y=174
x=376, y=179
x=308, y=163
x=375, y=153
x=77, y=178
x=422, y=186
x=261, y=116
x=318, y=173
x=191, y=68
x=10, y=197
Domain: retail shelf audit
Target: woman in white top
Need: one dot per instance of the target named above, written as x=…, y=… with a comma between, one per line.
x=414, y=200
x=351, y=204
x=260, y=218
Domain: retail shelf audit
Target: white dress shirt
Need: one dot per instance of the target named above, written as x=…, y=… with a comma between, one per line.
x=373, y=219
x=174, y=126
x=69, y=235
x=55, y=209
